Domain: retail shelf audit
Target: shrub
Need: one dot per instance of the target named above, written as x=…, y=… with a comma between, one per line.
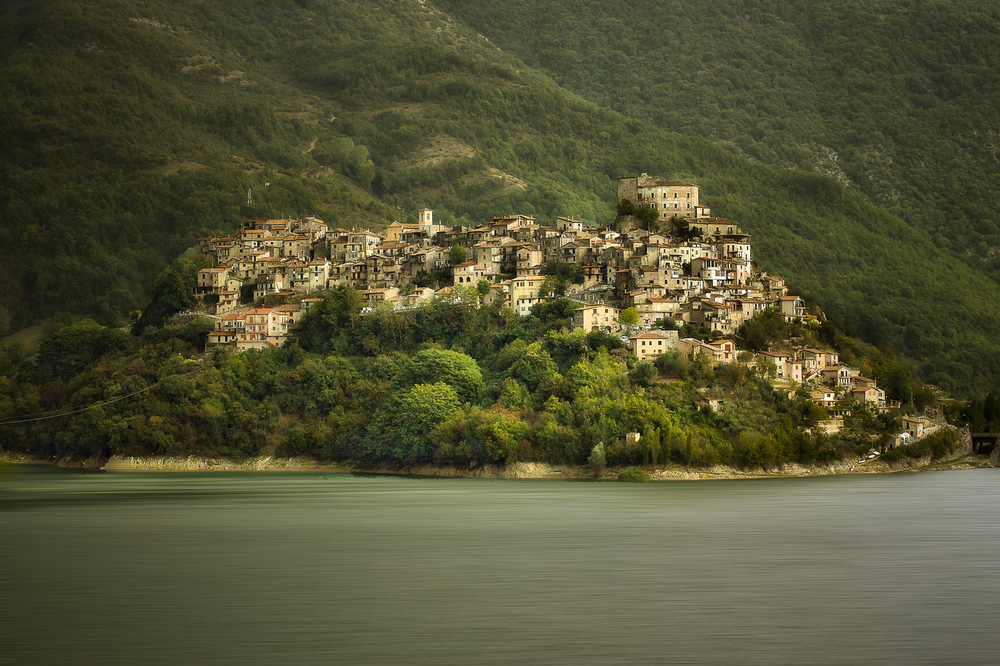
x=634, y=475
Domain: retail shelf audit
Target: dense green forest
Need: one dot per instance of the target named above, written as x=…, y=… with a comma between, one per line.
x=444, y=384
x=132, y=128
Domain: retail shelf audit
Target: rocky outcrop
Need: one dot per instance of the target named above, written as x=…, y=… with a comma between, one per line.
x=193, y=464
x=963, y=440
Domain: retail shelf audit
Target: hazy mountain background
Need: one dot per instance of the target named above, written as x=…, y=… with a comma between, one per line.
x=856, y=139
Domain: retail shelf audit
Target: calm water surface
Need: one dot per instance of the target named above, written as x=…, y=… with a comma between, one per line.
x=272, y=568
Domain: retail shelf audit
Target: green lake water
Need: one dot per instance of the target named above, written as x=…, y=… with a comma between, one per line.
x=130, y=568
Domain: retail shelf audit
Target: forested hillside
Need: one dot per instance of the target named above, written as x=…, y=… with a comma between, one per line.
x=896, y=98
x=132, y=128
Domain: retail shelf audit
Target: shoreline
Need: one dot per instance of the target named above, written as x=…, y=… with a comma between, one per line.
x=512, y=471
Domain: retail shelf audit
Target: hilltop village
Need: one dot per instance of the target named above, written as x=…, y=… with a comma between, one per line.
x=665, y=265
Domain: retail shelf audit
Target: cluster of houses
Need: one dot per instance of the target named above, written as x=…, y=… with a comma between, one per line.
x=686, y=267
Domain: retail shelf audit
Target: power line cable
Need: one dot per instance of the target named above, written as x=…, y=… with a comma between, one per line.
x=94, y=406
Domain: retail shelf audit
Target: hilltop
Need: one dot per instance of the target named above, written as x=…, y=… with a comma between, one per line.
x=656, y=344
x=136, y=128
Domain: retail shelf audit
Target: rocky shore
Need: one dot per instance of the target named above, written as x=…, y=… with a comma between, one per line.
x=520, y=470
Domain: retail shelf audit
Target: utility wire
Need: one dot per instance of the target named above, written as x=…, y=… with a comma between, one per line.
x=94, y=406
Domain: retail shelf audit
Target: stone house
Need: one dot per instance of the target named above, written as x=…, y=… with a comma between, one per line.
x=253, y=239
x=469, y=273
x=383, y=269
x=375, y=297
x=652, y=309
x=529, y=256
x=353, y=245
x=220, y=339
x=711, y=271
x=788, y=369
x=652, y=343
x=212, y=280
x=228, y=302
x=569, y=224
x=272, y=324
x=814, y=360
x=825, y=398
x=869, y=394
x=524, y=293
x=736, y=249
x=490, y=254
x=297, y=246
x=419, y=295
x=837, y=375
x=716, y=226
x=915, y=426
x=395, y=231
x=596, y=318
x=318, y=275
x=792, y=307
x=721, y=351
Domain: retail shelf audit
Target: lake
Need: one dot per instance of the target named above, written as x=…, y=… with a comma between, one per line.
x=269, y=568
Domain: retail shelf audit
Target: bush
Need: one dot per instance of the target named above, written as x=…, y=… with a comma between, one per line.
x=633, y=475
x=642, y=374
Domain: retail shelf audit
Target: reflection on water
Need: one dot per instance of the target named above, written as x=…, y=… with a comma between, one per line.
x=273, y=568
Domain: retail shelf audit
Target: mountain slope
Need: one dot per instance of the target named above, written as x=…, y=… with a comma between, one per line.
x=135, y=127
x=895, y=98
